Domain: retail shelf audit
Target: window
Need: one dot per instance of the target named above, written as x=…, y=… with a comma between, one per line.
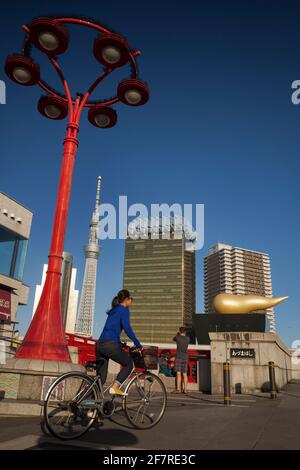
x=12, y=254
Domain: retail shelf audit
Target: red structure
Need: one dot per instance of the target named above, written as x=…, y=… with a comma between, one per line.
x=85, y=347
x=45, y=338
x=86, y=352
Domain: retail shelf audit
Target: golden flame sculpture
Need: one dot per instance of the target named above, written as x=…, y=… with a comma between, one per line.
x=229, y=303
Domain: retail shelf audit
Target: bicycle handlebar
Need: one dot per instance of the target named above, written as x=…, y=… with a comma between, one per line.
x=132, y=349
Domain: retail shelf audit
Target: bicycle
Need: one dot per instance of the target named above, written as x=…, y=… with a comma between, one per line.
x=76, y=400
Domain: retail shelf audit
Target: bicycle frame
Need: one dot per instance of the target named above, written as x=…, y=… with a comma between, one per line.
x=97, y=382
x=99, y=403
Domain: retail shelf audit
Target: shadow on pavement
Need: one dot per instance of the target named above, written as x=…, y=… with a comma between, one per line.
x=97, y=435
x=95, y=438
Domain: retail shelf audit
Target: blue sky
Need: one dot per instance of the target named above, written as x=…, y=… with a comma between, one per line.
x=219, y=129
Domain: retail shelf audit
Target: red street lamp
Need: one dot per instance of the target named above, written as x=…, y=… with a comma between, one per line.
x=45, y=338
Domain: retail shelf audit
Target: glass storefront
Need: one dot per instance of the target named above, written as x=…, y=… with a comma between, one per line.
x=12, y=254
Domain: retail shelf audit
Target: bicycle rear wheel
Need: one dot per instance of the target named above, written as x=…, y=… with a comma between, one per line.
x=146, y=400
x=71, y=405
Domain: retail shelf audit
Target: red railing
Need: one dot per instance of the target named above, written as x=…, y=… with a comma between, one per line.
x=86, y=352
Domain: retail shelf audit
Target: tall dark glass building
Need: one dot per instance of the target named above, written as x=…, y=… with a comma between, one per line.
x=15, y=225
x=160, y=275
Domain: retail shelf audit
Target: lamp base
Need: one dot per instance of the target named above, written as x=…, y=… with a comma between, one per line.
x=26, y=382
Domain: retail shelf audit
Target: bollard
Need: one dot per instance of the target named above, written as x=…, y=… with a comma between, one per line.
x=226, y=380
x=273, y=390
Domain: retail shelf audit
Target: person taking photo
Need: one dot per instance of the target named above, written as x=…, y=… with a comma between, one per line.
x=181, y=360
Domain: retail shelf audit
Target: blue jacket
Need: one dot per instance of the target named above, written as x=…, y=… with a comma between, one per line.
x=118, y=320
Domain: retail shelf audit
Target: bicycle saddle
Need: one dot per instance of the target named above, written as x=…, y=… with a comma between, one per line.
x=91, y=364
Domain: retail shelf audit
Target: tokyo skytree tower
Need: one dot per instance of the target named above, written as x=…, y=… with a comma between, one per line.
x=85, y=318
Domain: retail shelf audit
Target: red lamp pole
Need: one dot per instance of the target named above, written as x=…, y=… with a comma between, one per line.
x=45, y=338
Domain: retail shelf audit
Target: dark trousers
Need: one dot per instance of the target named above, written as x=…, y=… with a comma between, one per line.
x=106, y=350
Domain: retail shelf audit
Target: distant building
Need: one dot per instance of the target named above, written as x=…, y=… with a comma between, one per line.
x=15, y=225
x=237, y=271
x=69, y=295
x=160, y=275
x=85, y=318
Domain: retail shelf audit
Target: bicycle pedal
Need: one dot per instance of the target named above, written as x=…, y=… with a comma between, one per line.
x=108, y=408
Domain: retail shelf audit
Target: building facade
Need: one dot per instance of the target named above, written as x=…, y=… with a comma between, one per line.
x=85, y=318
x=237, y=271
x=68, y=292
x=15, y=225
x=160, y=275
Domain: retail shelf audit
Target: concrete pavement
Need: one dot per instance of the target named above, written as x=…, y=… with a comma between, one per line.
x=191, y=422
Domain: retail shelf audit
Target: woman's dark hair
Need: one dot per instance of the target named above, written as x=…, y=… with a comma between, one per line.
x=118, y=299
x=122, y=295
x=182, y=329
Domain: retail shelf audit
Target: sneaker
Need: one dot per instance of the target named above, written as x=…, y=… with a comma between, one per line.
x=118, y=392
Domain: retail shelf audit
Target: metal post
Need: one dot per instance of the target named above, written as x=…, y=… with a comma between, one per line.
x=226, y=381
x=45, y=338
x=273, y=390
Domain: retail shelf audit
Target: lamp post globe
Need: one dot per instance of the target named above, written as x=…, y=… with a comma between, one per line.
x=133, y=92
x=133, y=97
x=102, y=116
x=52, y=111
x=111, y=54
x=111, y=50
x=49, y=36
x=48, y=41
x=53, y=107
x=22, y=70
x=21, y=75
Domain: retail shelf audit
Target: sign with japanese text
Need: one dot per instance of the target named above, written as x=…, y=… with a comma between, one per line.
x=242, y=353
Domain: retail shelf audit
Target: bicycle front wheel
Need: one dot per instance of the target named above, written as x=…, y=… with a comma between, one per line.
x=146, y=400
x=71, y=405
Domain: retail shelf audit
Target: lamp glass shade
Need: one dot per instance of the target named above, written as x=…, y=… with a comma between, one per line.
x=102, y=116
x=21, y=75
x=48, y=41
x=111, y=50
x=52, y=111
x=111, y=54
x=133, y=92
x=22, y=70
x=53, y=107
x=133, y=96
x=102, y=120
x=49, y=36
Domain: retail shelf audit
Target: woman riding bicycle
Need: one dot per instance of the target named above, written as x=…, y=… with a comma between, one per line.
x=109, y=345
